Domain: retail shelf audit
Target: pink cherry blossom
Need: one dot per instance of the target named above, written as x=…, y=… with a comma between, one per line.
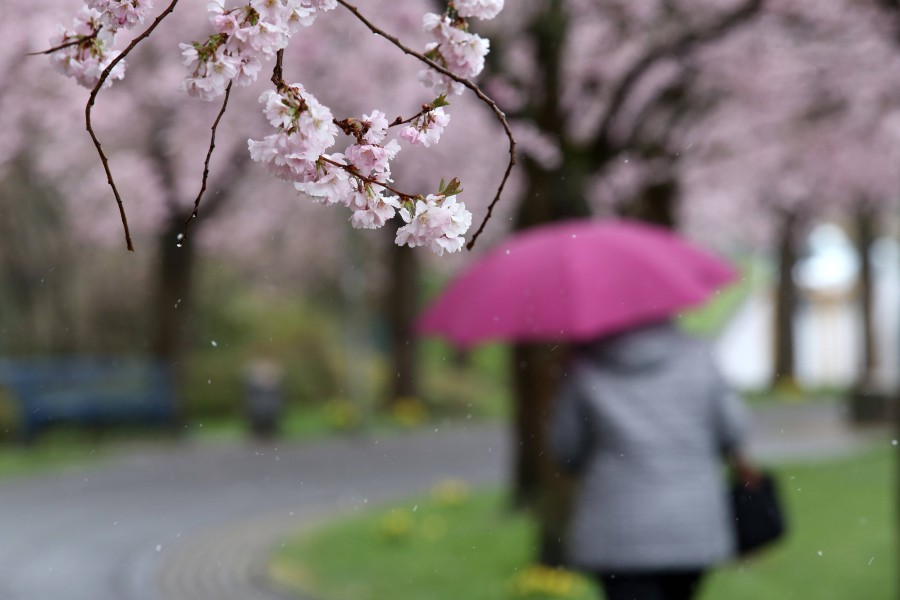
x=213, y=69
x=306, y=131
x=332, y=185
x=455, y=48
x=427, y=129
x=438, y=222
x=377, y=127
x=370, y=158
x=121, y=14
x=377, y=209
x=481, y=9
x=86, y=59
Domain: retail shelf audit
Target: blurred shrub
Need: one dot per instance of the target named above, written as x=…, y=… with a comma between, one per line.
x=474, y=384
x=342, y=414
x=301, y=338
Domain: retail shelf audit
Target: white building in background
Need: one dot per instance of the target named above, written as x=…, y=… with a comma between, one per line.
x=828, y=324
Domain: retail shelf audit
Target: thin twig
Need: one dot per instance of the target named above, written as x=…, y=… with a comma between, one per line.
x=474, y=88
x=278, y=71
x=369, y=180
x=426, y=108
x=65, y=45
x=212, y=146
x=90, y=105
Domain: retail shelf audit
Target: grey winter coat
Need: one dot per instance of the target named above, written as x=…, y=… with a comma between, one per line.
x=646, y=419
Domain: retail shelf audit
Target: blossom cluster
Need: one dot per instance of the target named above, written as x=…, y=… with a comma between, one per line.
x=302, y=149
x=437, y=221
x=359, y=177
x=85, y=51
x=245, y=36
x=454, y=46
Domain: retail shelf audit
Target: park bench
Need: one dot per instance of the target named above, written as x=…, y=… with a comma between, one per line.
x=87, y=391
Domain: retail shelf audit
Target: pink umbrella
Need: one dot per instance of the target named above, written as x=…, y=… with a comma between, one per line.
x=574, y=281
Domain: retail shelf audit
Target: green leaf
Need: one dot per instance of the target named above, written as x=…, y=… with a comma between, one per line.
x=440, y=101
x=450, y=189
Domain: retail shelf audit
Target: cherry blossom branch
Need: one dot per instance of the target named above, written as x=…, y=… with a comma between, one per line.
x=68, y=44
x=90, y=105
x=426, y=108
x=463, y=81
x=369, y=180
x=212, y=146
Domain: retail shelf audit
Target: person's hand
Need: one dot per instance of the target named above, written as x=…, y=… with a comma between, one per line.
x=746, y=472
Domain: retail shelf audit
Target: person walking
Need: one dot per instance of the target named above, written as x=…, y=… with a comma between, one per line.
x=646, y=423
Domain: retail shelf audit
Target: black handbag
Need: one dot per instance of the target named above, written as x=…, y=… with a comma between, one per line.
x=758, y=517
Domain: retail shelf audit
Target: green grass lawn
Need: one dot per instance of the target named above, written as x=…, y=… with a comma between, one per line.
x=18, y=461
x=449, y=547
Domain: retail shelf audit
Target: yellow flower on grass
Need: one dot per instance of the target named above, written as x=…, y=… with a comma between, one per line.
x=451, y=492
x=409, y=412
x=540, y=582
x=396, y=525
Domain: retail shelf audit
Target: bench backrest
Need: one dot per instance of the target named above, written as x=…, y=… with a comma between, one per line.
x=89, y=390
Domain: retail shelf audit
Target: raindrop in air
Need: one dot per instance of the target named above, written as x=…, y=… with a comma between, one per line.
x=214, y=343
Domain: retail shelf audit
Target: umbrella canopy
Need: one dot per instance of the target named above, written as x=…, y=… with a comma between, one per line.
x=574, y=281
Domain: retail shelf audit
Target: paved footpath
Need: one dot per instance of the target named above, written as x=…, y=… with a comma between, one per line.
x=194, y=522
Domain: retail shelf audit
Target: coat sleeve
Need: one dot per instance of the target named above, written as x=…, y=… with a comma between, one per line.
x=731, y=417
x=570, y=433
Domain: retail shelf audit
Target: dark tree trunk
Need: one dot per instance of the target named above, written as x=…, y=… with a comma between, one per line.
x=868, y=403
x=531, y=367
x=173, y=304
x=785, y=301
x=533, y=387
x=865, y=236
x=657, y=204
x=402, y=307
x=539, y=484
